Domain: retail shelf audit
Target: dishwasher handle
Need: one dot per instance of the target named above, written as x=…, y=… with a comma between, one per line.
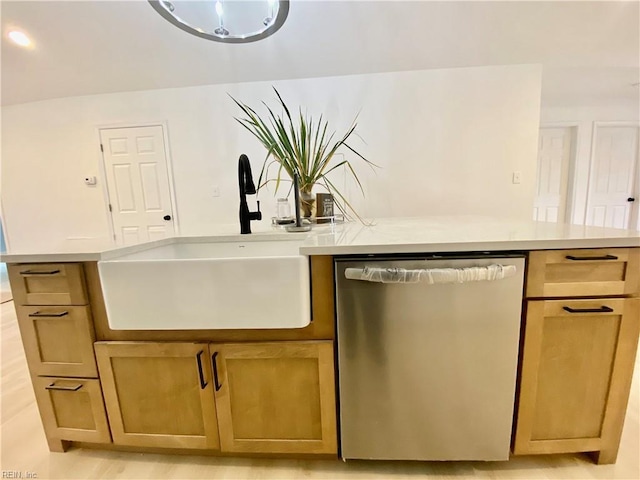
x=431, y=276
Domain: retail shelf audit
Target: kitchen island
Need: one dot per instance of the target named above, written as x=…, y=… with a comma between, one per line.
x=272, y=391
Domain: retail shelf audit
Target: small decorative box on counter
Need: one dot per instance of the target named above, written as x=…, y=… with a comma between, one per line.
x=324, y=207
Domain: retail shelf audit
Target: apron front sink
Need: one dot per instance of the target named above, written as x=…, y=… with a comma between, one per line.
x=253, y=284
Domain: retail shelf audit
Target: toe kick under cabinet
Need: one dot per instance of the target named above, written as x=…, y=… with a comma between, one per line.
x=580, y=340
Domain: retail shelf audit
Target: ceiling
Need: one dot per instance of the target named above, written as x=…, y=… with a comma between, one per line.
x=590, y=51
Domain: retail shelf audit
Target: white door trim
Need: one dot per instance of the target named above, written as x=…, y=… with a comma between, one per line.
x=103, y=172
x=594, y=128
x=570, y=200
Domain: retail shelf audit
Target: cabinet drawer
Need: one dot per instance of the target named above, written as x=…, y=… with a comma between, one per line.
x=48, y=284
x=583, y=273
x=72, y=409
x=58, y=340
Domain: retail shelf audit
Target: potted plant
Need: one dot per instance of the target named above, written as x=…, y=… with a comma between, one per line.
x=300, y=146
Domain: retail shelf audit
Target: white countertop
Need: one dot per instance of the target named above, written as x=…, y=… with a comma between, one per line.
x=383, y=236
x=75, y=251
x=462, y=233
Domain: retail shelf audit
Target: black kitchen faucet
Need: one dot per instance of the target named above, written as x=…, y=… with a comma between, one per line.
x=247, y=187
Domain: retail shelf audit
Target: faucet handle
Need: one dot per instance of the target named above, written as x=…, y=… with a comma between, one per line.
x=257, y=215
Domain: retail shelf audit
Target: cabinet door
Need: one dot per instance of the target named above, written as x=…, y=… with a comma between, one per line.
x=576, y=374
x=158, y=394
x=276, y=397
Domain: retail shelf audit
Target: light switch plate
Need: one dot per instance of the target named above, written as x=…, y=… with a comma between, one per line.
x=517, y=177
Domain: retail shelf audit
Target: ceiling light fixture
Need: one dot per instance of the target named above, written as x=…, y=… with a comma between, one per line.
x=227, y=21
x=168, y=5
x=223, y=32
x=269, y=18
x=19, y=38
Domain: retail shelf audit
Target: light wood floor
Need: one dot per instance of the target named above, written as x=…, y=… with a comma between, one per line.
x=24, y=449
x=5, y=290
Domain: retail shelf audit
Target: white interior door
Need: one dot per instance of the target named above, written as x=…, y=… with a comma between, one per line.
x=138, y=183
x=614, y=169
x=555, y=148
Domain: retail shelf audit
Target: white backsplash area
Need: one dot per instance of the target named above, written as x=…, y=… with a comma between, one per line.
x=447, y=141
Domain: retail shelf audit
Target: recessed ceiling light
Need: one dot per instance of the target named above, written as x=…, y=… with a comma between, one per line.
x=19, y=38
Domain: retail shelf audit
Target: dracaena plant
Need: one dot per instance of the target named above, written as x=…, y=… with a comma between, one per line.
x=303, y=146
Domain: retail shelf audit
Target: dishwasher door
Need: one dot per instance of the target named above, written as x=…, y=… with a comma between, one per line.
x=428, y=371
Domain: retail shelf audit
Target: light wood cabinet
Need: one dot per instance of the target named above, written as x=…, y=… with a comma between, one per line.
x=276, y=397
x=576, y=372
x=48, y=284
x=156, y=389
x=57, y=332
x=72, y=409
x=261, y=397
x=58, y=340
x=578, y=353
x=583, y=273
x=159, y=394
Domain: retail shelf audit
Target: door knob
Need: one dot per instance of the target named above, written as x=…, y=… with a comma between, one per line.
x=631, y=199
x=167, y=217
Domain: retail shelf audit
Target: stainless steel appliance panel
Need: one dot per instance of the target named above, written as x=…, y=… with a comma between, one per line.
x=428, y=372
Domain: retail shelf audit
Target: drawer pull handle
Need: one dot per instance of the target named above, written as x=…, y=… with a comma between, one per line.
x=56, y=315
x=215, y=371
x=39, y=272
x=603, y=257
x=73, y=388
x=203, y=384
x=602, y=309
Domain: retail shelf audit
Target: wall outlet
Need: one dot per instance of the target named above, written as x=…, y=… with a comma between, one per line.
x=215, y=191
x=517, y=177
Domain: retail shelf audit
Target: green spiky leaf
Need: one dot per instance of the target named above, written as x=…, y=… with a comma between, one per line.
x=299, y=145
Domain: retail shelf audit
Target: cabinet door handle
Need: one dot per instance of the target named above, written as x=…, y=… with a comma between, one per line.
x=73, y=388
x=203, y=384
x=39, y=272
x=602, y=309
x=55, y=315
x=216, y=382
x=603, y=257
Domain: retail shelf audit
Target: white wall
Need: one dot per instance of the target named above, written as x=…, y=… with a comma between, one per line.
x=583, y=119
x=447, y=142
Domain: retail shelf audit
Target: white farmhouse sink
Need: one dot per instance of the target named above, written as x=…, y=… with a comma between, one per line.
x=216, y=285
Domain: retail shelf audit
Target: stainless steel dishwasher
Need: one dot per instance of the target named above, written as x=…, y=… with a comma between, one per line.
x=427, y=354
